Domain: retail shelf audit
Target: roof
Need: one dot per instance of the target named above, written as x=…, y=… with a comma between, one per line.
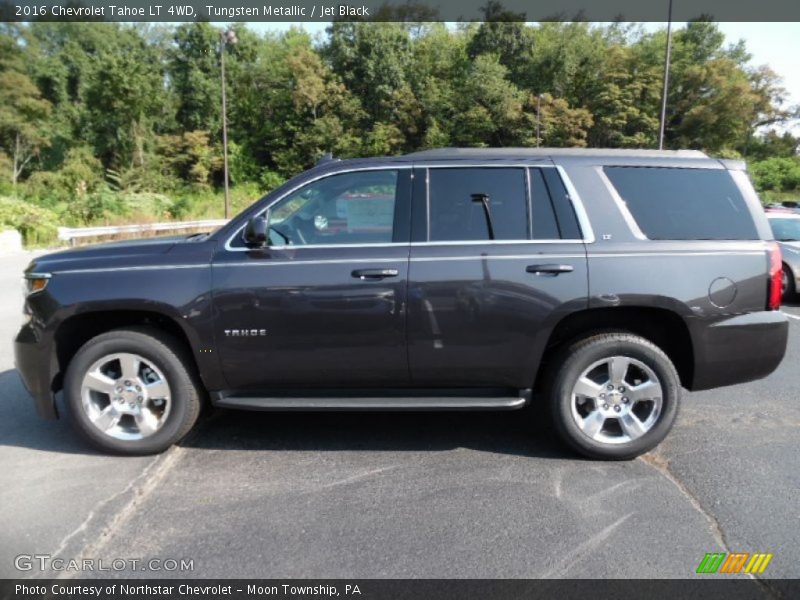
x=522, y=153
x=593, y=156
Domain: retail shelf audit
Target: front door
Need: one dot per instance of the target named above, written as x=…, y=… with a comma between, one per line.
x=478, y=306
x=324, y=304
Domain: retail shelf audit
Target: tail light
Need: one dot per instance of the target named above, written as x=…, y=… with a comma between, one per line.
x=775, y=277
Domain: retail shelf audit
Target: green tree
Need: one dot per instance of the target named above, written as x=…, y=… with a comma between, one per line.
x=773, y=145
x=491, y=107
x=562, y=126
x=373, y=61
x=504, y=34
x=123, y=100
x=23, y=111
x=626, y=107
x=193, y=67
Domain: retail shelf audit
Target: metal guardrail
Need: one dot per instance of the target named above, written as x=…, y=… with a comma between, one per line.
x=68, y=234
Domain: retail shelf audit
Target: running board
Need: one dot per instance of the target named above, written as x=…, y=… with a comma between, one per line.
x=411, y=403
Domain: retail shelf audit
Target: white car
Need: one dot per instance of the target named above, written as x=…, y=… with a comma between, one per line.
x=786, y=229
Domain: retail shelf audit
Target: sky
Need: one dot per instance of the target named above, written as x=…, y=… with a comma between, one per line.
x=773, y=44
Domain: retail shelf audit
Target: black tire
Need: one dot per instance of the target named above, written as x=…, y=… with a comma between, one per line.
x=169, y=356
x=578, y=357
x=789, y=290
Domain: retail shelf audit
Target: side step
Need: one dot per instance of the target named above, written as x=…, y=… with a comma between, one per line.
x=372, y=403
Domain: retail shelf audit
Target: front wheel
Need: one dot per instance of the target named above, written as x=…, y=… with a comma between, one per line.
x=130, y=391
x=614, y=396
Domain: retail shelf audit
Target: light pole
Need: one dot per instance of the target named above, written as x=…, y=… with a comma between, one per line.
x=666, y=79
x=225, y=38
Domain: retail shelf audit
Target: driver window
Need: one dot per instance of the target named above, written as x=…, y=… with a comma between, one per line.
x=349, y=208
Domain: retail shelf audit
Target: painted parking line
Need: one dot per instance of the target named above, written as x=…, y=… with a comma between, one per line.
x=791, y=316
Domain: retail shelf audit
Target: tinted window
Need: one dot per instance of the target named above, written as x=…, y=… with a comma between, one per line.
x=684, y=204
x=351, y=208
x=786, y=230
x=454, y=216
x=565, y=214
x=545, y=226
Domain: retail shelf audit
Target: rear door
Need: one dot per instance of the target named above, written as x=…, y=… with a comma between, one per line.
x=478, y=306
x=325, y=303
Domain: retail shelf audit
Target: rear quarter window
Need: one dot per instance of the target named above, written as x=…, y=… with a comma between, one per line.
x=684, y=204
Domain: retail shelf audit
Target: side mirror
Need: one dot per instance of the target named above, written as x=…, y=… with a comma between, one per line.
x=256, y=232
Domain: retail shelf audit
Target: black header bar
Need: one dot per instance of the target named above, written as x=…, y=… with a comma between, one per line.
x=734, y=588
x=395, y=10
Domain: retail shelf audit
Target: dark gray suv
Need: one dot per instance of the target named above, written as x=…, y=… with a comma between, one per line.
x=594, y=283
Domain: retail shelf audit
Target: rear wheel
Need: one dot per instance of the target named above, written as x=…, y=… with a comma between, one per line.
x=787, y=283
x=614, y=396
x=130, y=391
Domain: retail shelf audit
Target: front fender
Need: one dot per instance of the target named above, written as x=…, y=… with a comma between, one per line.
x=122, y=296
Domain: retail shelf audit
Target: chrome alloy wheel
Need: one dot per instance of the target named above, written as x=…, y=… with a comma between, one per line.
x=125, y=396
x=616, y=400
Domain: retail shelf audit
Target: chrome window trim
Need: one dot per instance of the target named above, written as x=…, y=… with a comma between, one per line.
x=577, y=205
x=494, y=242
x=423, y=259
x=283, y=262
x=657, y=254
x=572, y=194
x=427, y=205
x=529, y=202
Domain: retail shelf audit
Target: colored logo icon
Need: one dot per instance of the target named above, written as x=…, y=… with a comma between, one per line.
x=735, y=562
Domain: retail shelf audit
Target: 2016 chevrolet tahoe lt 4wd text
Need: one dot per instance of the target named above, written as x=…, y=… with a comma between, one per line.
x=597, y=283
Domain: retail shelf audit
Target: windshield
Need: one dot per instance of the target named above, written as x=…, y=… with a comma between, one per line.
x=786, y=230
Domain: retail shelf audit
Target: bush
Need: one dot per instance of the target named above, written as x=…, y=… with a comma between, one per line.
x=158, y=206
x=270, y=180
x=776, y=174
x=36, y=225
x=80, y=175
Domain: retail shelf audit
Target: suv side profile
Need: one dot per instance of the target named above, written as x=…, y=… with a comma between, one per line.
x=595, y=283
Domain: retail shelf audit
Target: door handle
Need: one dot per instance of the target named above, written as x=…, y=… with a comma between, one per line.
x=364, y=274
x=549, y=269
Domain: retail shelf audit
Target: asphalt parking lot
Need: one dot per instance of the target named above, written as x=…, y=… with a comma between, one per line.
x=463, y=495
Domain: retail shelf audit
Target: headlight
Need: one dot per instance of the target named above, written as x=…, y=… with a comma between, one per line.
x=36, y=282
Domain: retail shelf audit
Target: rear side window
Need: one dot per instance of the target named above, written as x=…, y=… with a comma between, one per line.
x=547, y=182
x=454, y=216
x=684, y=204
x=545, y=225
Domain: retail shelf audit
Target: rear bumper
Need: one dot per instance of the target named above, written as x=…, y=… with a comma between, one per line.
x=738, y=349
x=32, y=357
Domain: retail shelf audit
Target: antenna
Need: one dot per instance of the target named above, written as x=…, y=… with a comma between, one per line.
x=326, y=158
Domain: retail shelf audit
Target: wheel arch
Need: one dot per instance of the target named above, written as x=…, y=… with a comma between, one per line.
x=663, y=327
x=74, y=331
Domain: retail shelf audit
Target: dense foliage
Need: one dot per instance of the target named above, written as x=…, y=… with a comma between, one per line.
x=103, y=122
